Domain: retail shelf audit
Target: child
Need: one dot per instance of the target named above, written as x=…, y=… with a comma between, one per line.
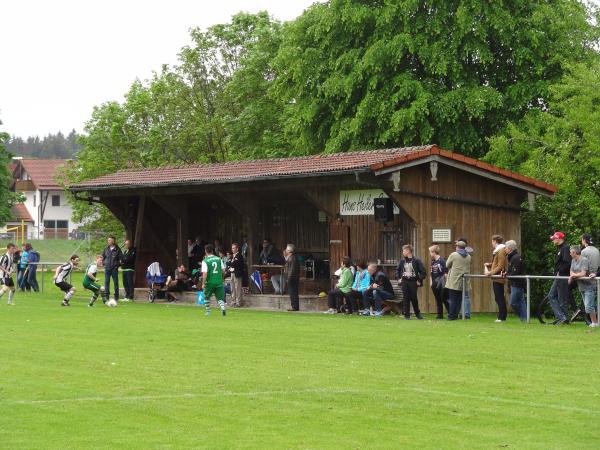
x=90, y=280
x=60, y=276
x=6, y=268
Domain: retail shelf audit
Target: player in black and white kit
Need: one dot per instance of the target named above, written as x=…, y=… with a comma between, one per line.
x=60, y=279
x=7, y=284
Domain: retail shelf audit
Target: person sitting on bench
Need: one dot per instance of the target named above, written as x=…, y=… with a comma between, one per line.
x=379, y=291
x=342, y=289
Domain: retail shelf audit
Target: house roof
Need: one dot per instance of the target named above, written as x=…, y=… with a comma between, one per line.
x=297, y=167
x=19, y=212
x=43, y=171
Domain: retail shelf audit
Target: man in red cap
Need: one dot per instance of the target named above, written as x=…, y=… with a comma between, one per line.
x=559, y=292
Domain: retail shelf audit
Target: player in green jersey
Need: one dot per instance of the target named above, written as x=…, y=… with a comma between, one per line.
x=212, y=279
x=90, y=280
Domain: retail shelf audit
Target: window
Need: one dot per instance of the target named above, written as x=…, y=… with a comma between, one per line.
x=390, y=246
x=56, y=200
x=49, y=223
x=62, y=224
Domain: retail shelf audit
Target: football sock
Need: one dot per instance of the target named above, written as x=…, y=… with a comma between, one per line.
x=207, y=307
x=10, y=296
x=68, y=295
x=222, y=304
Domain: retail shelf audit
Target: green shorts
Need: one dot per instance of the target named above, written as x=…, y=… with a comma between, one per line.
x=218, y=290
x=91, y=286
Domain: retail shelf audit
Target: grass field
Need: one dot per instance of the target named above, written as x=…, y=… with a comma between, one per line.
x=157, y=376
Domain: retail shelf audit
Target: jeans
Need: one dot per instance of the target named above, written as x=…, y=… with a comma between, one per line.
x=21, y=278
x=292, y=286
x=32, y=278
x=114, y=274
x=517, y=301
x=559, y=298
x=500, y=300
x=277, y=282
x=336, y=297
x=455, y=301
x=376, y=296
x=128, y=283
x=409, y=292
x=589, y=300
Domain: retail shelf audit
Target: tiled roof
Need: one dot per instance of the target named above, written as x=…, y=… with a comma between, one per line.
x=43, y=171
x=289, y=167
x=434, y=150
x=19, y=212
x=248, y=170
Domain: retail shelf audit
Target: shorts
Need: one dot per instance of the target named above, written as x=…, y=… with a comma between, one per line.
x=589, y=301
x=64, y=286
x=8, y=282
x=218, y=290
x=92, y=286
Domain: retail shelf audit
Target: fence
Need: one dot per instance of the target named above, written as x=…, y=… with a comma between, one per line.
x=527, y=279
x=44, y=267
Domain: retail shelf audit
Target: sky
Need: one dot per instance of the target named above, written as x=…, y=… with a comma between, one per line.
x=60, y=58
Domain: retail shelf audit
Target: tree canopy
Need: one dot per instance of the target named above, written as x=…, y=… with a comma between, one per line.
x=7, y=198
x=51, y=146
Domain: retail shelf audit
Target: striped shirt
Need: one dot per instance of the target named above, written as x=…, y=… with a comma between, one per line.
x=6, y=265
x=65, y=270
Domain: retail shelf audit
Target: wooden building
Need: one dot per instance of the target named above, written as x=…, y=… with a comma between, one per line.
x=324, y=205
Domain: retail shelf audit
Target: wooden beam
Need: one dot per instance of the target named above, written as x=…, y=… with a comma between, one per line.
x=313, y=196
x=139, y=224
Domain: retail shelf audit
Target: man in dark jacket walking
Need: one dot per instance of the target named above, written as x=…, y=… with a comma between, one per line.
x=292, y=270
x=111, y=259
x=517, y=285
x=410, y=273
x=128, y=268
x=559, y=292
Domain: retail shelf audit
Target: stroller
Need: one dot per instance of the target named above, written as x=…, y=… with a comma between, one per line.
x=157, y=281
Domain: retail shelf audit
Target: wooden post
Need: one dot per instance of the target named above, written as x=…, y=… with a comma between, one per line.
x=139, y=222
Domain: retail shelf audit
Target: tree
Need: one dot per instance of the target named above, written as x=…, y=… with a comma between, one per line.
x=7, y=197
x=370, y=74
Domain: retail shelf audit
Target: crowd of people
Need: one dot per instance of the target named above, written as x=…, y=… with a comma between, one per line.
x=362, y=288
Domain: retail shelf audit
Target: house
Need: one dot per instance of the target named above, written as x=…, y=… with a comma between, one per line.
x=325, y=205
x=45, y=202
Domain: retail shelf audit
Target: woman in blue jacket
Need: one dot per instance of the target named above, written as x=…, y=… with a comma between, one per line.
x=362, y=281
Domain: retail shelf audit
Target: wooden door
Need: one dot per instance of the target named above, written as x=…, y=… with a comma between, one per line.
x=339, y=244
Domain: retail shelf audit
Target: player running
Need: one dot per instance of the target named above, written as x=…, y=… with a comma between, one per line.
x=60, y=277
x=6, y=269
x=90, y=280
x=212, y=279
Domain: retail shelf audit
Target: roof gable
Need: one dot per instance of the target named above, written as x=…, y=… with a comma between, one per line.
x=42, y=172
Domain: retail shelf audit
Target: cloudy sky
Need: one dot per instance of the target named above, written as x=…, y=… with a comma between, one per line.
x=60, y=58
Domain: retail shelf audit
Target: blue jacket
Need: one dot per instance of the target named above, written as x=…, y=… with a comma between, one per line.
x=362, y=280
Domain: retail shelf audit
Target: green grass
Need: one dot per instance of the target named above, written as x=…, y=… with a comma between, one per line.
x=157, y=376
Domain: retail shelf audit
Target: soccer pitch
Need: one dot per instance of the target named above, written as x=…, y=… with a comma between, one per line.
x=157, y=376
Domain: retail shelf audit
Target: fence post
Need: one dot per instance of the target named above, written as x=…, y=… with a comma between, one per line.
x=463, y=298
x=43, y=267
x=528, y=281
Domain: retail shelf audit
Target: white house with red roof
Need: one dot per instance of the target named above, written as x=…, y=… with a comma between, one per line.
x=45, y=212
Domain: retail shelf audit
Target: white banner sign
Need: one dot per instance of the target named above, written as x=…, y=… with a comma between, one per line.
x=360, y=203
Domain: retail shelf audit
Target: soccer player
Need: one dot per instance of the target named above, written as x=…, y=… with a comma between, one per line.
x=90, y=280
x=60, y=277
x=6, y=269
x=212, y=279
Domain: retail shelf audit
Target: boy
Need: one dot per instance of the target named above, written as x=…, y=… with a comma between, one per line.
x=90, y=280
x=6, y=268
x=60, y=277
x=212, y=279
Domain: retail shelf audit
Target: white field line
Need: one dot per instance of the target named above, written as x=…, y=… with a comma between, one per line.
x=274, y=393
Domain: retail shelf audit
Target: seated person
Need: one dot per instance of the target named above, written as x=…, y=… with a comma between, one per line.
x=342, y=289
x=225, y=261
x=181, y=281
x=196, y=276
x=362, y=281
x=380, y=290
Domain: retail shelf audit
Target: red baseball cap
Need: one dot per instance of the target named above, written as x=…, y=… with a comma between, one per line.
x=557, y=235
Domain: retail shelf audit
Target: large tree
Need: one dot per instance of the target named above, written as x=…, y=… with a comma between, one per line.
x=7, y=197
x=374, y=73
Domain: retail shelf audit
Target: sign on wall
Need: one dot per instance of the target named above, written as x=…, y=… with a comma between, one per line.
x=360, y=202
x=441, y=235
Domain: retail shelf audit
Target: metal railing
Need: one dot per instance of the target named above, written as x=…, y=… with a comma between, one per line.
x=527, y=279
x=44, y=267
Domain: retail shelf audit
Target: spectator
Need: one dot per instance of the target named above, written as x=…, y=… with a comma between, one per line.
x=591, y=253
x=580, y=271
x=128, y=269
x=244, y=248
x=225, y=261
x=342, y=289
x=380, y=290
x=517, y=285
x=470, y=251
x=22, y=268
x=498, y=266
x=437, y=281
x=292, y=270
x=458, y=264
x=559, y=292
x=196, y=252
x=33, y=260
x=269, y=254
x=237, y=268
x=181, y=281
x=111, y=259
x=360, y=285
x=410, y=273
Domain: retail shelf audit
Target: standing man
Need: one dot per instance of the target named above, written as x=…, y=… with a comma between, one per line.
x=33, y=259
x=212, y=279
x=590, y=252
x=517, y=285
x=498, y=266
x=7, y=284
x=128, y=268
x=22, y=268
x=559, y=292
x=437, y=280
x=459, y=265
x=237, y=268
x=410, y=273
x=111, y=259
x=580, y=268
x=292, y=270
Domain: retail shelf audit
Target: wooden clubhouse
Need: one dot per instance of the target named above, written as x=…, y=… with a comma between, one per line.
x=324, y=205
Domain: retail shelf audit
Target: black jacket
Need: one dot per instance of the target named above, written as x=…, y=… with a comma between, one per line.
x=238, y=265
x=515, y=267
x=270, y=255
x=292, y=268
x=128, y=259
x=418, y=269
x=562, y=260
x=112, y=258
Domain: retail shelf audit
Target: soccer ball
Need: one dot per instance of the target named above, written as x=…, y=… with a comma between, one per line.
x=112, y=303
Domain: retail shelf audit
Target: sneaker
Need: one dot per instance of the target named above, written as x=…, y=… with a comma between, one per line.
x=499, y=321
x=223, y=312
x=365, y=313
x=125, y=300
x=207, y=313
x=406, y=317
x=378, y=313
x=420, y=316
x=90, y=304
x=65, y=303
